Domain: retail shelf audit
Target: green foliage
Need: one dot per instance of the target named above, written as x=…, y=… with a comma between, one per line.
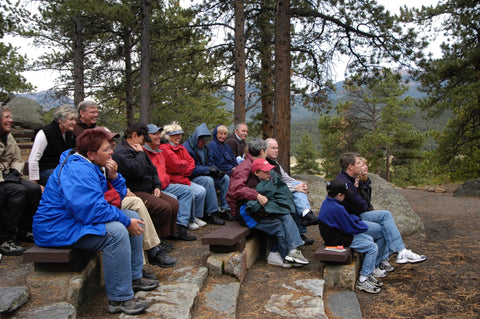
x=452, y=83
x=374, y=121
x=12, y=64
x=306, y=158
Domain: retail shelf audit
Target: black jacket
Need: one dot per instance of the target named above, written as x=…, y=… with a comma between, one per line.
x=137, y=168
x=56, y=145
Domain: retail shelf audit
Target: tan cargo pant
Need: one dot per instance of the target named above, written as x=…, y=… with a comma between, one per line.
x=150, y=237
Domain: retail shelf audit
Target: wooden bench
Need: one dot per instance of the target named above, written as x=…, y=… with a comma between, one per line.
x=57, y=259
x=228, y=238
x=341, y=257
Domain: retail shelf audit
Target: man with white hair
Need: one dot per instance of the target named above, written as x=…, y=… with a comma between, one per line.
x=87, y=116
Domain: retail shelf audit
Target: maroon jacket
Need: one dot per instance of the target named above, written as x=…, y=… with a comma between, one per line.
x=242, y=185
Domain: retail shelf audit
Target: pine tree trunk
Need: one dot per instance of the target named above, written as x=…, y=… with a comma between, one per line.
x=145, y=111
x=78, y=59
x=128, y=78
x=281, y=118
x=239, y=104
x=266, y=71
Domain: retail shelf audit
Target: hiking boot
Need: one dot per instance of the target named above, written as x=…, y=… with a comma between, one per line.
x=275, y=259
x=307, y=241
x=10, y=248
x=130, y=307
x=214, y=219
x=295, y=256
x=163, y=260
x=164, y=246
x=385, y=265
x=193, y=226
x=183, y=234
x=375, y=281
x=367, y=286
x=144, y=284
x=409, y=256
x=226, y=214
x=379, y=273
x=309, y=219
x=149, y=275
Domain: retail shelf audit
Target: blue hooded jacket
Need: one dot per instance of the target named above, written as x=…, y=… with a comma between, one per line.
x=222, y=154
x=73, y=204
x=202, y=156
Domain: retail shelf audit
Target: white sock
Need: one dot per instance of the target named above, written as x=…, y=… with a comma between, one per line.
x=305, y=212
x=362, y=278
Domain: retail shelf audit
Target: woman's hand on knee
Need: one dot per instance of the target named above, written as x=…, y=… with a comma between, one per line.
x=135, y=228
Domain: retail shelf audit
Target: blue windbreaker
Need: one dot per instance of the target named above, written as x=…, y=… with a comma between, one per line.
x=73, y=204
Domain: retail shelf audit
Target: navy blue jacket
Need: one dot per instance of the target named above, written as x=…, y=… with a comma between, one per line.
x=202, y=156
x=354, y=204
x=222, y=154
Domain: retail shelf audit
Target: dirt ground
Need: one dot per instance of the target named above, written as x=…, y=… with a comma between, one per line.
x=447, y=285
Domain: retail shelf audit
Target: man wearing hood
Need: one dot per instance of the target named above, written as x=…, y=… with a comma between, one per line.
x=209, y=176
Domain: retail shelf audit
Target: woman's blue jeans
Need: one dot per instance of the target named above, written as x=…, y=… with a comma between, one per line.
x=122, y=257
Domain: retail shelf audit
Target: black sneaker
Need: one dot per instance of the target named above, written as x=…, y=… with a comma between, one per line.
x=184, y=234
x=149, y=275
x=129, y=307
x=214, y=219
x=307, y=240
x=165, y=246
x=163, y=260
x=309, y=219
x=226, y=214
x=10, y=248
x=144, y=284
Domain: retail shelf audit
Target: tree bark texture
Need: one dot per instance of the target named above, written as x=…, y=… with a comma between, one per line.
x=282, y=116
x=266, y=70
x=78, y=59
x=128, y=77
x=239, y=54
x=145, y=85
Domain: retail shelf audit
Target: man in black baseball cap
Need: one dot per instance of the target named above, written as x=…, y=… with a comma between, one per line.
x=141, y=129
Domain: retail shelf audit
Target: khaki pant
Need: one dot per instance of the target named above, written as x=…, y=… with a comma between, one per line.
x=150, y=237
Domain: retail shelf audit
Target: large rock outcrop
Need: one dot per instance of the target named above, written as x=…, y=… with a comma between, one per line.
x=469, y=188
x=26, y=113
x=384, y=196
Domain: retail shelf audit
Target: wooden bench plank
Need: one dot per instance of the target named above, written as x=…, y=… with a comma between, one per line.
x=48, y=255
x=344, y=257
x=227, y=235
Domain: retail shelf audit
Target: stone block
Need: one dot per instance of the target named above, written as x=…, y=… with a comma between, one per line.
x=12, y=298
x=62, y=310
x=215, y=265
x=252, y=250
x=342, y=276
x=71, y=287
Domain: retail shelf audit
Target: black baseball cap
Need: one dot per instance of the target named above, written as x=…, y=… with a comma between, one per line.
x=337, y=186
x=141, y=129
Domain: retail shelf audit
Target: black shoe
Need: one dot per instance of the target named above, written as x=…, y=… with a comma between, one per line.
x=309, y=219
x=214, y=219
x=163, y=260
x=165, y=246
x=144, y=284
x=307, y=240
x=129, y=307
x=25, y=236
x=226, y=214
x=183, y=234
x=149, y=275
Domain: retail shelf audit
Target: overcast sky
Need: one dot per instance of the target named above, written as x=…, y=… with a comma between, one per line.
x=44, y=80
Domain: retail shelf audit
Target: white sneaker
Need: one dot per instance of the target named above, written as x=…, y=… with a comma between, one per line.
x=275, y=259
x=295, y=256
x=379, y=273
x=409, y=256
x=200, y=222
x=193, y=226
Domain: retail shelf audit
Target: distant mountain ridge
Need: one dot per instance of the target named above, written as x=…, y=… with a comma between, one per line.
x=47, y=100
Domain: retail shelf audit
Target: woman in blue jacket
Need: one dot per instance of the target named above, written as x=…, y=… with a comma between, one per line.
x=74, y=213
x=222, y=153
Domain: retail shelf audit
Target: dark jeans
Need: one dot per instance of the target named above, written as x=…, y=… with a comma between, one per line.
x=19, y=202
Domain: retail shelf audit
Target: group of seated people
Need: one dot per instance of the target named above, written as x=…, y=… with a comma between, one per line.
x=127, y=200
